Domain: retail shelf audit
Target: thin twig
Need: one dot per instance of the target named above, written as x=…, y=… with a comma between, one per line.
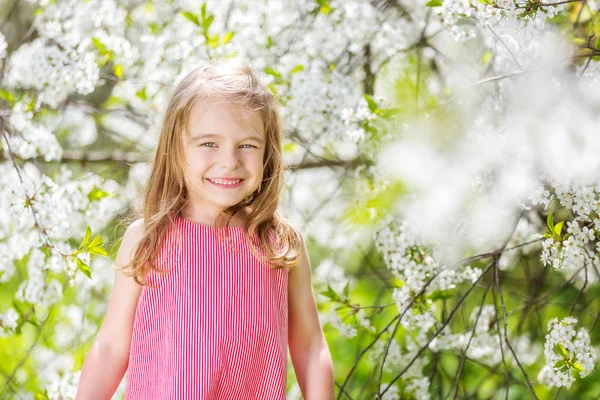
x=464, y=353
x=436, y=334
x=507, y=341
x=582, y=289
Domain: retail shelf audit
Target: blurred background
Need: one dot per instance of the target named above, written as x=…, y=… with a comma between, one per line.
x=441, y=160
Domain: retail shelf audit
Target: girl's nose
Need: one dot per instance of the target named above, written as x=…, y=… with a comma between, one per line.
x=229, y=159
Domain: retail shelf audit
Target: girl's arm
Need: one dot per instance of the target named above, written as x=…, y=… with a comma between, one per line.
x=308, y=348
x=108, y=357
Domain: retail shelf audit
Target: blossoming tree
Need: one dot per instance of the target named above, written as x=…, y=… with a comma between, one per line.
x=455, y=230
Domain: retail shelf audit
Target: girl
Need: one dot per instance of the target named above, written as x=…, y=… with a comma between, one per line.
x=212, y=285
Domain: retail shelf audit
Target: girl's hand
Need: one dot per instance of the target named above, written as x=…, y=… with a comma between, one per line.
x=308, y=347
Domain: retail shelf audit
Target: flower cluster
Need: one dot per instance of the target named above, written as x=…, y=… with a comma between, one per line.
x=315, y=96
x=8, y=322
x=40, y=211
x=568, y=353
x=30, y=139
x=415, y=268
x=355, y=118
x=467, y=19
x=54, y=71
x=483, y=340
x=95, y=24
x=65, y=387
x=570, y=251
x=413, y=264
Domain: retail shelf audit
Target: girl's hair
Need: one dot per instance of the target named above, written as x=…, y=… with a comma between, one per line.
x=165, y=192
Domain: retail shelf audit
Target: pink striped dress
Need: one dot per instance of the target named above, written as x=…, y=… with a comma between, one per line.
x=216, y=325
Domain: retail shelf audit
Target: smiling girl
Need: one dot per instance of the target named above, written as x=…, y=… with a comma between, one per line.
x=212, y=285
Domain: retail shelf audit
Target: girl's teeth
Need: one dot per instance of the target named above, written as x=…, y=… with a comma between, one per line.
x=220, y=182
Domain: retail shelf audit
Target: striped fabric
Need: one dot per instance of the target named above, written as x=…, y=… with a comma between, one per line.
x=216, y=325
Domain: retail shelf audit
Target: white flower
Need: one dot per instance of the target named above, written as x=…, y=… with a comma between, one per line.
x=64, y=387
x=335, y=320
x=8, y=322
x=567, y=353
x=54, y=71
x=3, y=46
x=363, y=320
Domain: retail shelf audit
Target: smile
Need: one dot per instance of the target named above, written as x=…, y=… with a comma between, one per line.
x=228, y=183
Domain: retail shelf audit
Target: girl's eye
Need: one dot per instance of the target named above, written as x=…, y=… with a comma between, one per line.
x=212, y=144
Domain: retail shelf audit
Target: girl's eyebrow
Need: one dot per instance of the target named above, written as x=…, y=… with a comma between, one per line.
x=214, y=135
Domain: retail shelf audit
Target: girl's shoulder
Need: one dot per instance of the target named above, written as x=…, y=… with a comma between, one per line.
x=133, y=234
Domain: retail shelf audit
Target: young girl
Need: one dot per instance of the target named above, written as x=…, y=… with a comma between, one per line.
x=212, y=285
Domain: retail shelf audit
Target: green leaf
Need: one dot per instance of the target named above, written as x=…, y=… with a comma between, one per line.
x=274, y=73
x=390, y=112
x=228, y=36
x=207, y=22
x=99, y=251
x=269, y=42
x=558, y=228
x=128, y=20
x=289, y=147
x=550, y=222
x=142, y=94
x=330, y=293
x=96, y=194
x=577, y=366
x=597, y=44
x=560, y=349
x=96, y=242
x=560, y=364
x=434, y=3
x=16, y=307
x=191, y=17
x=214, y=41
x=371, y=103
x=100, y=46
x=7, y=96
x=347, y=290
x=83, y=267
x=397, y=282
x=487, y=56
x=33, y=322
x=86, y=238
x=441, y=295
x=40, y=396
x=273, y=89
x=297, y=68
x=112, y=101
x=203, y=10
x=95, y=247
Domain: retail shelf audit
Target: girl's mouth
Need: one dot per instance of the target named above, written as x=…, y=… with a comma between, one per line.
x=226, y=183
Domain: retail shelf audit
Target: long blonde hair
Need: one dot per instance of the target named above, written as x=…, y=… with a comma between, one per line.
x=165, y=193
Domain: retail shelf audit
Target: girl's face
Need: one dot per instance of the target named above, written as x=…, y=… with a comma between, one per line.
x=223, y=150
